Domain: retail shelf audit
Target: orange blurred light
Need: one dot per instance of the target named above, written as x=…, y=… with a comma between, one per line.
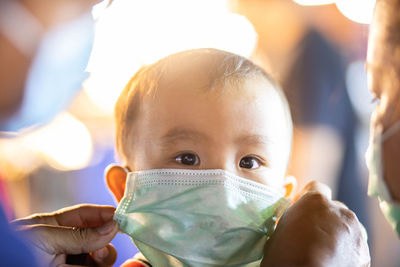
x=64, y=144
x=131, y=33
x=314, y=2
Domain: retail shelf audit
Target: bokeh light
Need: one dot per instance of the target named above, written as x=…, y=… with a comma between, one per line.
x=360, y=11
x=314, y=2
x=131, y=33
x=64, y=144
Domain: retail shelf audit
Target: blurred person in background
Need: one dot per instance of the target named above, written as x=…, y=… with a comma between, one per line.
x=383, y=66
x=44, y=47
x=34, y=69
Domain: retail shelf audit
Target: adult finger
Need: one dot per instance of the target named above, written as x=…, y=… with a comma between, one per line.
x=340, y=204
x=71, y=240
x=84, y=215
x=362, y=228
x=105, y=257
x=318, y=187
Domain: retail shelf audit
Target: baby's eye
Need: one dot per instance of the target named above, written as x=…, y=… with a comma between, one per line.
x=188, y=159
x=250, y=162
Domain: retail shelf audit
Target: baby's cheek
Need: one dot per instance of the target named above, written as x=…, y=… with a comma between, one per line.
x=274, y=179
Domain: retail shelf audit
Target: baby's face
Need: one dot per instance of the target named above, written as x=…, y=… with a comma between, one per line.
x=242, y=129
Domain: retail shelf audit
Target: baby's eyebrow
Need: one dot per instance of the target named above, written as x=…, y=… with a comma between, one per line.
x=253, y=139
x=177, y=134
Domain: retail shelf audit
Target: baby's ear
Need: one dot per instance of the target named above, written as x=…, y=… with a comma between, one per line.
x=116, y=178
x=289, y=185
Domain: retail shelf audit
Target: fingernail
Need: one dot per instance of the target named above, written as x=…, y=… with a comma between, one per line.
x=101, y=253
x=106, y=228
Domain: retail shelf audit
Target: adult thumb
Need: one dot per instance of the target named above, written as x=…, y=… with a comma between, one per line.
x=315, y=187
x=71, y=240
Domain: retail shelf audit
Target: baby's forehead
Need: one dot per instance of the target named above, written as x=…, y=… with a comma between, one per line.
x=196, y=97
x=203, y=83
x=183, y=86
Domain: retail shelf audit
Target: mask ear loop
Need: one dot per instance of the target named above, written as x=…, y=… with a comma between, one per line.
x=391, y=131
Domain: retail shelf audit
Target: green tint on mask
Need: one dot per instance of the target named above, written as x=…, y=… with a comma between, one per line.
x=198, y=217
x=377, y=186
x=392, y=214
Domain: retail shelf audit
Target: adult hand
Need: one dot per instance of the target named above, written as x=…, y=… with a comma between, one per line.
x=316, y=231
x=73, y=230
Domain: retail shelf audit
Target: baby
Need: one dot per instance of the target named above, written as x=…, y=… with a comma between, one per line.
x=204, y=137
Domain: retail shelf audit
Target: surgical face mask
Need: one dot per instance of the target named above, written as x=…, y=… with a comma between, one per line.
x=56, y=73
x=198, y=217
x=377, y=185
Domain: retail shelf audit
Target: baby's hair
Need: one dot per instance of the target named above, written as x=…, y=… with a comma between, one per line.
x=217, y=67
